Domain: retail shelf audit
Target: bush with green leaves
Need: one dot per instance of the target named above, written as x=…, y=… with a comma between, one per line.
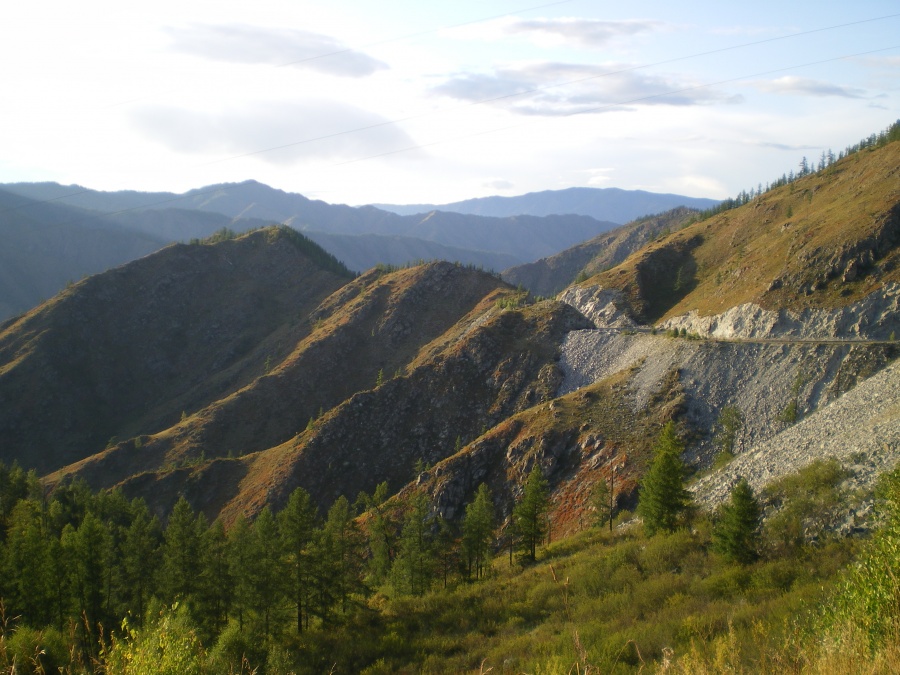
x=168, y=645
x=867, y=604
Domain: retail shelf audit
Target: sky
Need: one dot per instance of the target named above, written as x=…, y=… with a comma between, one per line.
x=410, y=102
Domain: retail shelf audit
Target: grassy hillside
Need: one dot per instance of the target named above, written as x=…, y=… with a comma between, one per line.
x=825, y=240
x=549, y=276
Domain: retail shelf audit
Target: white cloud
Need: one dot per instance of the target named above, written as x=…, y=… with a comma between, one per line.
x=282, y=133
x=554, y=89
x=591, y=33
x=273, y=46
x=801, y=86
x=498, y=184
x=585, y=32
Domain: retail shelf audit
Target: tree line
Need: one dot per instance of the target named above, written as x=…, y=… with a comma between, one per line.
x=81, y=562
x=805, y=167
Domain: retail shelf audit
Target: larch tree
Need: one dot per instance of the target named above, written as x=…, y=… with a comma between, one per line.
x=530, y=514
x=297, y=525
x=736, y=533
x=662, y=498
x=478, y=532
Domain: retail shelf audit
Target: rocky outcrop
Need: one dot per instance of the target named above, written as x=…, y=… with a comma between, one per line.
x=875, y=317
x=606, y=307
x=764, y=380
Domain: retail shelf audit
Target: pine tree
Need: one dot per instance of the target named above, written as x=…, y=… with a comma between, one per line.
x=604, y=499
x=736, y=534
x=338, y=569
x=297, y=524
x=413, y=568
x=182, y=552
x=87, y=551
x=239, y=560
x=530, y=513
x=214, y=592
x=478, y=532
x=265, y=577
x=662, y=499
x=140, y=559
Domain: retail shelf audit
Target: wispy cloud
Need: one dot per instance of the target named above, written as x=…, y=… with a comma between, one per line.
x=273, y=46
x=554, y=89
x=585, y=32
x=590, y=33
x=800, y=86
x=279, y=134
x=498, y=184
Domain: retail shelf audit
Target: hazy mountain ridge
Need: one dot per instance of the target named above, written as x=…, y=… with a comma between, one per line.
x=608, y=204
x=549, y=276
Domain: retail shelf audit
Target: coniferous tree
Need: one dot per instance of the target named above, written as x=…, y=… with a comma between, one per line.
x=382, y=531
x=182, y=553
x=215, y=585
x=413, y=568
x=265, y=578
x=446, y=549
x=530, y=513
x=736, y=534
x=140, y=559
x=297, y=525
x=26, y=577
x=478, y=532
x=662, y=498
x=87, y=553
x=339, y=560
x=604, y=500
x=239, y=560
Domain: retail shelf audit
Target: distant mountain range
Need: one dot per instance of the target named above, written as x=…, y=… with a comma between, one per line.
x=612, y=204
x=52, y=234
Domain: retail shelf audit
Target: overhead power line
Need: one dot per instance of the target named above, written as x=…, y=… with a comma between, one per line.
x=537, y=90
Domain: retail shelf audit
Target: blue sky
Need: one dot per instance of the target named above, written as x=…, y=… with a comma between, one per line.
x=398, y=101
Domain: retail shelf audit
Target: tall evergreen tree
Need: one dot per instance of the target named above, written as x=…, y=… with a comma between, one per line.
x=736, y=533
x=662, y=498
x=530, y=514
x=478, y=532
x=382, y=531
x=339, y=560
x=87, y=552
x=297, y=525
x=27, y=579
x=216, y=582
x=182, y=553
x=413, y=568
x=140, y=558
x=266, y=579
x=240, y=556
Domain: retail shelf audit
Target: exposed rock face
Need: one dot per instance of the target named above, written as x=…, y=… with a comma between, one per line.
x=861, y=429
x=606, y=307
x=762, y=380
x=874, y=318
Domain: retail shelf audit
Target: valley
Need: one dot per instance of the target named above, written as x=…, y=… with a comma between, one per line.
x=217, y=393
